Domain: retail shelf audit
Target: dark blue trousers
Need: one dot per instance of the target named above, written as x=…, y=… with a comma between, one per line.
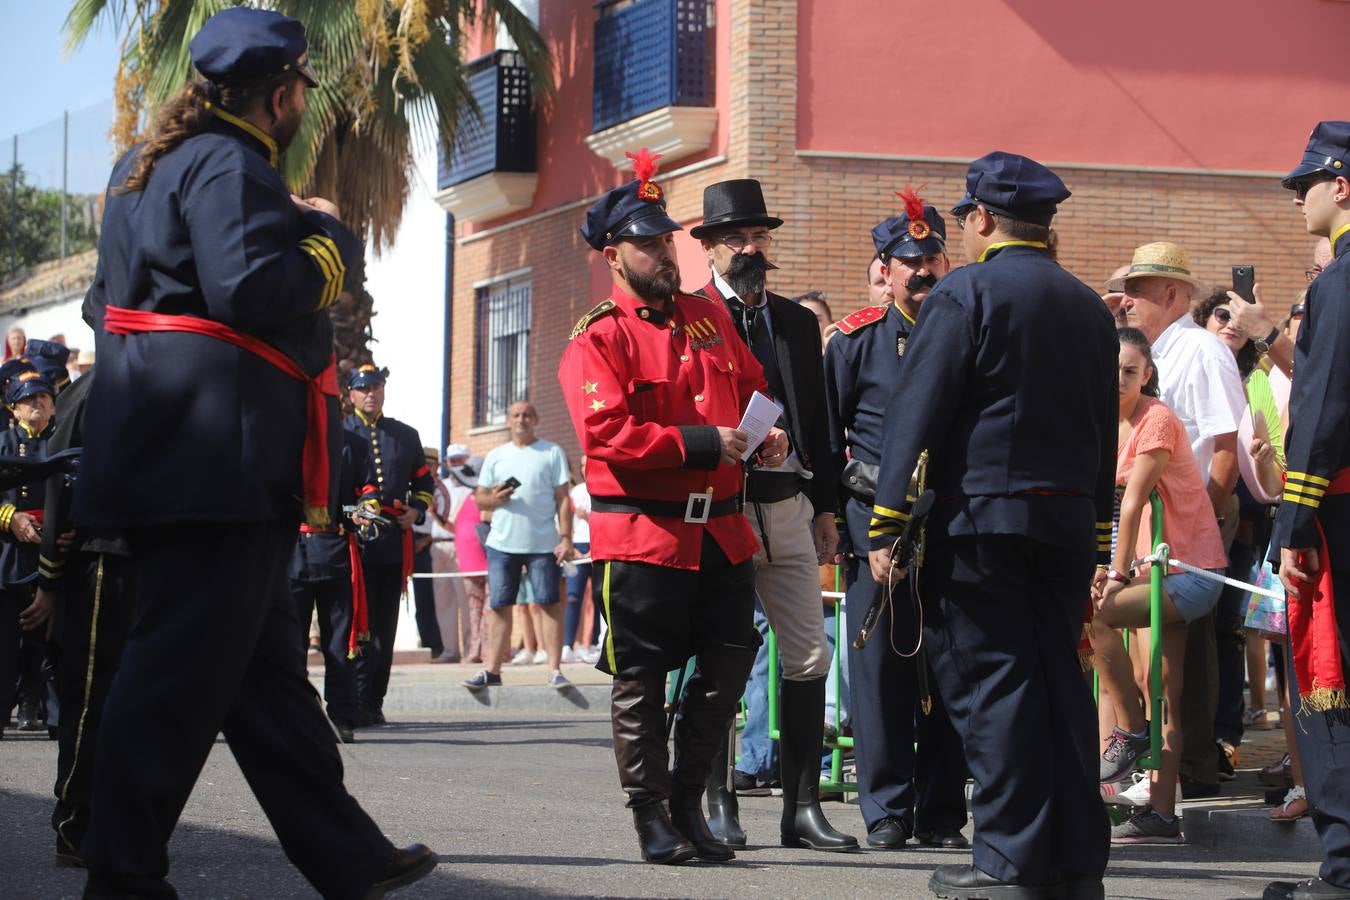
x=924, y=788
x=384, y=590
x=213, y=648
x=333, y=597
x=1324, y=751
x=1003, y=614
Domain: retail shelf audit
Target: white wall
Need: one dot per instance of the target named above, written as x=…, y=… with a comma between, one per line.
x=53, y=319
x=408, y=284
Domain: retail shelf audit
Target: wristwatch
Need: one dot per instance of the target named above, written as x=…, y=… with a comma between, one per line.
x=1264, y=346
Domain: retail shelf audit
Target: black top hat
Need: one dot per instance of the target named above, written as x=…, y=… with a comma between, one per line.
x=733, y=204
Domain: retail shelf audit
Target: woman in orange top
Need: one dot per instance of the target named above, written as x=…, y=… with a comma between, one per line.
x=1154, y=452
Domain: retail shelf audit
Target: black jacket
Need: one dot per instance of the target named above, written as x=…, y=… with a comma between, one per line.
x=186, y=427
x=800, y=388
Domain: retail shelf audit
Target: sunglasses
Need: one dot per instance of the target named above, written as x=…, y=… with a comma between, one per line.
x=1223, y=316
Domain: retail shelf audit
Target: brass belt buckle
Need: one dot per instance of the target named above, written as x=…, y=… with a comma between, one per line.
x=697, y=508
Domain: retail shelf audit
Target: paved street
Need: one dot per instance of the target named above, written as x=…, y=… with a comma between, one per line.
x=527, y=808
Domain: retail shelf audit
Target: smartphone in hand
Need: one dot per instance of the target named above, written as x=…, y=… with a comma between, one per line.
x=511, y=483
x=1244, y=282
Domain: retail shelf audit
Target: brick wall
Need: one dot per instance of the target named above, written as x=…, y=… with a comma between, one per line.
x=829, y=204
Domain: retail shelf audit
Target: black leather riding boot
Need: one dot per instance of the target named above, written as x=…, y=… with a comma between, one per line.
x=802, y=730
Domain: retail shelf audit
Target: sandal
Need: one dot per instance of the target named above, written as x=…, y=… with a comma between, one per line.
x=1294, y=807
x=1256, y=718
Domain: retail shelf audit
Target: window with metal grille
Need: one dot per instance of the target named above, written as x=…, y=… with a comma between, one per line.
x=502, y=362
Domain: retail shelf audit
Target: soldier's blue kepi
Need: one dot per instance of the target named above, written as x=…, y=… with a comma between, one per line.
x=20, y=379
x=49, y=358
x=242, y=43
x=366, y=375
x=635, y=209
x=918, y=231
x=1013, y=186
x=1328, y=152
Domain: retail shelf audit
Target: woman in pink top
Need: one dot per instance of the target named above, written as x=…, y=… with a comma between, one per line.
x=1153, y=453
x=469, y=551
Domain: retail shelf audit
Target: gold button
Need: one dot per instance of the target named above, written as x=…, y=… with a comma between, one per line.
x=731, y=366
x=684, y=358
x=698, y=398
x=380, y=479
x=643, y=313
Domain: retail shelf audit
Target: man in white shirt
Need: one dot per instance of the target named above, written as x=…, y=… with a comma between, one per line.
x=1198, y=378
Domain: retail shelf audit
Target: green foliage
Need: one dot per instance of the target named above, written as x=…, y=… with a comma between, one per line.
x=391, y=73
x=30, y=224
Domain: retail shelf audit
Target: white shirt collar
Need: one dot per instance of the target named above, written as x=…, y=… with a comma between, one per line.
x=1171, y=331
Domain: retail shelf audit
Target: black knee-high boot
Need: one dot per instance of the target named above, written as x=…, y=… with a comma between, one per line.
x=802, y=733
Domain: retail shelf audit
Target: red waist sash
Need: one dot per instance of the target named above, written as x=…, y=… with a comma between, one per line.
x=1312, y=627
x=360, y=630
x=314, y=462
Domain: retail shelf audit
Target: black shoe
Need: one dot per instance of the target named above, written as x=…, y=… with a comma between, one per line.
x=888, y=834
x=946, y=838
x=345, y=732
x=969, y=883
x=657, y=838
x=1197, y=790
x=30, y=717
x=687, y=818
x=1312, y=889
x=748, y=785
x=408, y=865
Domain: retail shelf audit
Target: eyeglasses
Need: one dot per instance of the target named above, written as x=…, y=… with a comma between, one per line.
x=738, y=242
x=1303, y=185
x=961, y=215
x=1312, y=273
x=1223, y=315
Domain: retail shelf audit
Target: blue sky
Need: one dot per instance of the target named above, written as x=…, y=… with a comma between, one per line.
x=39, y=79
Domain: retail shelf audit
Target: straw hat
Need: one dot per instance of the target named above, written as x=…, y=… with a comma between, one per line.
x=1161, y=259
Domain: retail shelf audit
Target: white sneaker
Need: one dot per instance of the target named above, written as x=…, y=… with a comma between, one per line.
x=1140, y=793
x=590, y=657
x=523, y=657
x=540, y=657
x=568, y=656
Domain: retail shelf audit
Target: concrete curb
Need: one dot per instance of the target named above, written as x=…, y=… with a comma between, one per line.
x=1248, y=830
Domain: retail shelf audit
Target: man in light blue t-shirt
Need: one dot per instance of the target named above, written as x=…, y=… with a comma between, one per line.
x=525, y=485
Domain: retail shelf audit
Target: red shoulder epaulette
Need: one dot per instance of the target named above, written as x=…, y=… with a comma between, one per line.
x=868, y=315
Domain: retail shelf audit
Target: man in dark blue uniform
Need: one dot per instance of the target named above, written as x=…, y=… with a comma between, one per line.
x=23, y=644
x=1020, y=427
x=900, y=794
x=1311, y=541
x=207, y=439
x=405, y=488
x=326, y=573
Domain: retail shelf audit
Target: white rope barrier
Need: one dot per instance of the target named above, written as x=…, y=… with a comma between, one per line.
x=1164, y=552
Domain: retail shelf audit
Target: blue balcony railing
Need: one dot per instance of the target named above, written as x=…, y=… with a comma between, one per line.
x=650, y=54
x=503, y=139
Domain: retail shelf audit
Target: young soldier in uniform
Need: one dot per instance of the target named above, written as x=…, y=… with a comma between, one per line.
x=1020, y=426
x=1311, y=542
x=791, y=507
x=862, y=369
x=655, y=382
x=206, y=424
x=404, y=486
x=23, y=645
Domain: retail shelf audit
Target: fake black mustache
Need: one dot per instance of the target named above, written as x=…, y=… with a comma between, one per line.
x=744, y=263
x=917, y=283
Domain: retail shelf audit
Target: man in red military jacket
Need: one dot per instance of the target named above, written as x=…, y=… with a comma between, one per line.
x=656, y=381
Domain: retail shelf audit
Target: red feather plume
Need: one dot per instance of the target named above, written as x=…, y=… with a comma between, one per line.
x=913, y=202
x=644, y=163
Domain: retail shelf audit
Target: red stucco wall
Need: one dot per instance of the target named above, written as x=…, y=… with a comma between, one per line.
x=1206, y=84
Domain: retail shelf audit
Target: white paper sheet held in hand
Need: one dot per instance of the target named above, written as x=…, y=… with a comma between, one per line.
x=760, y=415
